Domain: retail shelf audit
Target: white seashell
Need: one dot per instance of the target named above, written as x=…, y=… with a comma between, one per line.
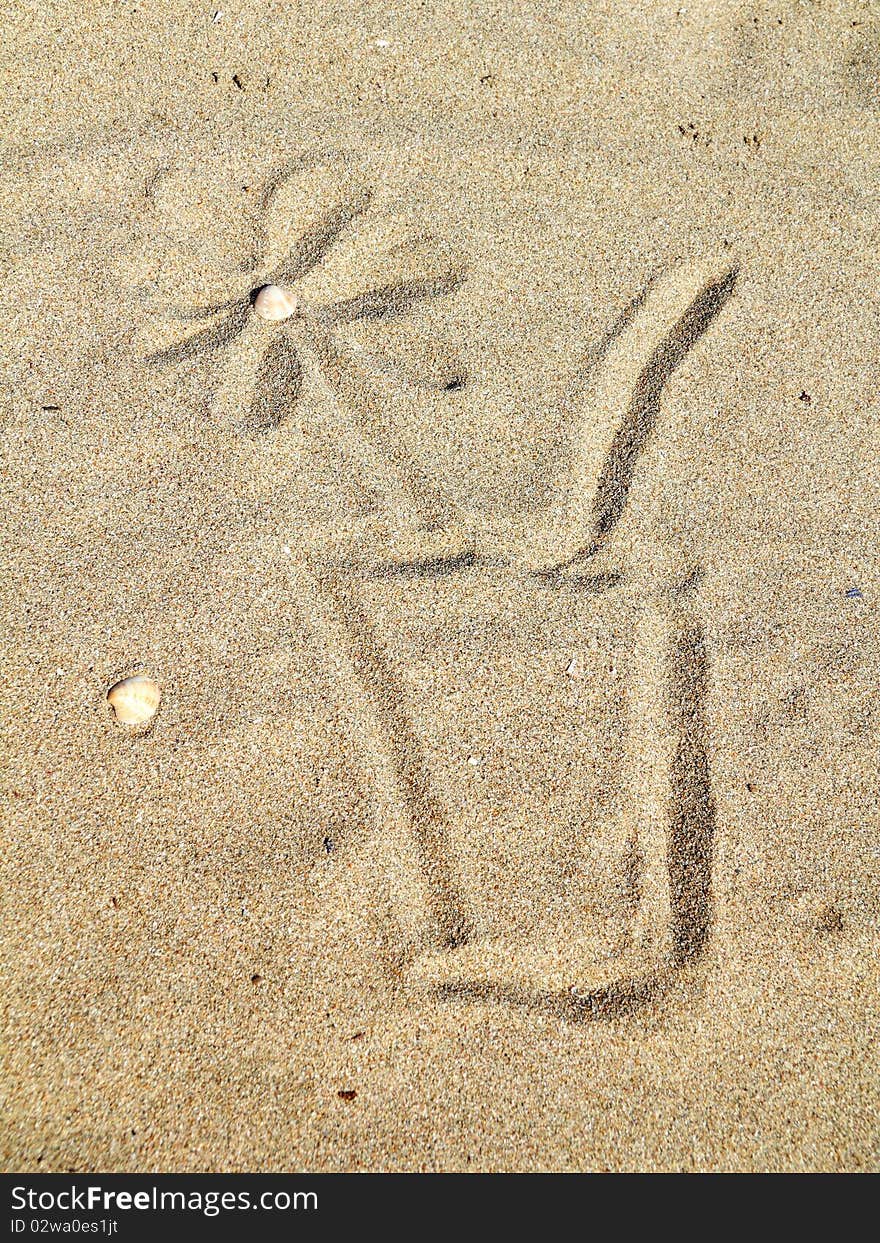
x=273, y=302
x=134, y=700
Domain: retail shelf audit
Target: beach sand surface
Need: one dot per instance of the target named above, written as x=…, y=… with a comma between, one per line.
x=446, y=849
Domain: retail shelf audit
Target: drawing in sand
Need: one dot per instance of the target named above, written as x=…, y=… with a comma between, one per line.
x=273, y=336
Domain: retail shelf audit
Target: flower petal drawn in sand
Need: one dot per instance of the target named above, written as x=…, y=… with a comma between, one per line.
x=327, y=263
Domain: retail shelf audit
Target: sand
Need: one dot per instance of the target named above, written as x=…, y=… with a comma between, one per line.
x=512, y=801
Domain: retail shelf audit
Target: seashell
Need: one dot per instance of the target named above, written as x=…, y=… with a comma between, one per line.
x=575, y=667
x=134, y=700
x=274, y=303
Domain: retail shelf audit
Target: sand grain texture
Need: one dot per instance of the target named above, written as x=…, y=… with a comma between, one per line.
x=511, y=802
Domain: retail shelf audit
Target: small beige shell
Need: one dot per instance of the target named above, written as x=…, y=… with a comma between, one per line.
x=273, y=302
x=135, y=700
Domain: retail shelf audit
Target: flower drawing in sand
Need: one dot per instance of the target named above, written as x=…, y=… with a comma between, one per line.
x=326, y=268
x=294, y=313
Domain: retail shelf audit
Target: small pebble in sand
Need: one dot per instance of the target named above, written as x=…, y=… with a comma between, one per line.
x=134, y=700
x=274, y=303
